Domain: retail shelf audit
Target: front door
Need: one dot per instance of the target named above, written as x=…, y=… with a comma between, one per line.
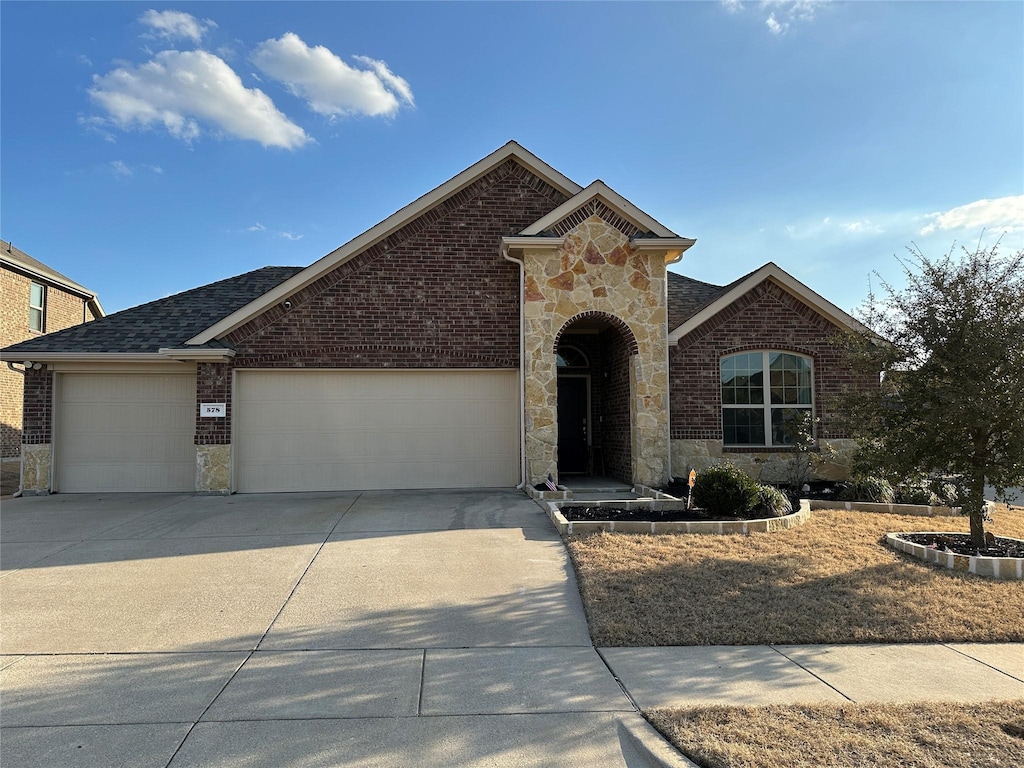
x=573, y=412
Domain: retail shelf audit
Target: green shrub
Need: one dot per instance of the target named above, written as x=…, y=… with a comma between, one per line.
x=771, y=502
x=724, y=491
x=868, y=488
x=916, y=492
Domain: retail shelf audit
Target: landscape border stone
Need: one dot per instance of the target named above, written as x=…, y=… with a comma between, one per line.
x=761, y=525
x=920, y=510
x=991, y=567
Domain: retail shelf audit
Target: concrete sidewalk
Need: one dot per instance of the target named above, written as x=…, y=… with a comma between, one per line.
x=801, y=674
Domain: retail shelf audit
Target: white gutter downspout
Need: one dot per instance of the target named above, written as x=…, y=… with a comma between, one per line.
x=522, y=366
x=668, y=367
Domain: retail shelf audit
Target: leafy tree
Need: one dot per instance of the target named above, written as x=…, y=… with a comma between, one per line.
x=952, y=361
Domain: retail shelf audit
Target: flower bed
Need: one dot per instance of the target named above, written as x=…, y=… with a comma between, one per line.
x=992, y=567
x=658, y=506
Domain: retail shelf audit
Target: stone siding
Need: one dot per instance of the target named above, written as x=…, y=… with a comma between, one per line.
x=596, y=275
x=762, y=466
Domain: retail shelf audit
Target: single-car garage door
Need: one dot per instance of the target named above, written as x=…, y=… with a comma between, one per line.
x=320, y=430
x=125, y=432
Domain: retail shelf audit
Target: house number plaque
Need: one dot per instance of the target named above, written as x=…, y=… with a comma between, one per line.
x=213, y=410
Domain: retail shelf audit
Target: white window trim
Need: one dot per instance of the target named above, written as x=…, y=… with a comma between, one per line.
x=767, y=405
x=41, y=308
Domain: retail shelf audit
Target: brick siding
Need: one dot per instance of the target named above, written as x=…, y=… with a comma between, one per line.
x=434, y=294
x=37, y=409
x=767, y=317
x=616, y=428
x=63, y=310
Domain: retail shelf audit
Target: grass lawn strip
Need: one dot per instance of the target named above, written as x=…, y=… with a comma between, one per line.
x=947, y=735
x=828, y=581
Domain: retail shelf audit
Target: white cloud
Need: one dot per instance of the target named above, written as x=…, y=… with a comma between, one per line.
x=1005, y=214
x=125, y=171
x=778, y=15
x=83, y=59
x=283, y=234
x=862, y=227
x=774, y=26
x=176, y=25
x=181, y=90
x=329, y=85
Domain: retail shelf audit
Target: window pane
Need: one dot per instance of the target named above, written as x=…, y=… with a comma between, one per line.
x=742, y=378
x=743, y=426
x=36, y=299
x=35, y=319
x=787, y=423
x=790, y=378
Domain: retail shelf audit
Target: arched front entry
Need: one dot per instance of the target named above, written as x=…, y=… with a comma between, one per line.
x=594, y=397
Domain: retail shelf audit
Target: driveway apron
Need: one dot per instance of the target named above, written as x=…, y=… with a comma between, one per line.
x=385, y=628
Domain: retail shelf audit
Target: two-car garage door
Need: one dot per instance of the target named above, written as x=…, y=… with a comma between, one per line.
x=321, y=430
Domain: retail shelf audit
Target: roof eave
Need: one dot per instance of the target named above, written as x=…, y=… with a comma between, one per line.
x=85, y=357
x=53, y=279
x=672, y=247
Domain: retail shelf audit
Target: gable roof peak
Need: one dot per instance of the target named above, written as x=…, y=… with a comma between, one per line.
x=562, y=217
x=393, y=223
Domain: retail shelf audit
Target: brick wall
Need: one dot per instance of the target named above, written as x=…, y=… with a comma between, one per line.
x=37, y=409
x=62, y=311
x=213, y=385
x=434, y=294
x=767, y=317
x=616, y=430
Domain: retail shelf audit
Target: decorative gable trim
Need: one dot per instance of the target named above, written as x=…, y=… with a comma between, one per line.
x=783, y=279
x=391, y=225
x=598, y=199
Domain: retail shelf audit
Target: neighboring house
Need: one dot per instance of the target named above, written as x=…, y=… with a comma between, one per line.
x=35, y=300
x=507, y=325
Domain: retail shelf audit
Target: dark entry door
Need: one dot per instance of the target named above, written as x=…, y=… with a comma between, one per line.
x=572, y=425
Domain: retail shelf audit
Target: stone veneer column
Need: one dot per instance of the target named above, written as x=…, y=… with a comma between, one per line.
x=596, y=270
x=213, y=468
x=35, y=469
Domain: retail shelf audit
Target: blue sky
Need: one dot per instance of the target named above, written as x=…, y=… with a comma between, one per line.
x=150, y=148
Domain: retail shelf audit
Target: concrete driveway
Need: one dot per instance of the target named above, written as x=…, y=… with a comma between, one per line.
x=373, y=629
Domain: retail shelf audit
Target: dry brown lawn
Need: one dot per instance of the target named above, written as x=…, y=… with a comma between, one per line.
x=830, y=580
x=849, y=736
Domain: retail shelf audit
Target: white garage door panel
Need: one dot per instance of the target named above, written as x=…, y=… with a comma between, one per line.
x=125, y=432
x=341, y=430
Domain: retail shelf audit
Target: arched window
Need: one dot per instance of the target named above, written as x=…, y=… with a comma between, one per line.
x=571, y=357
x=760, y=410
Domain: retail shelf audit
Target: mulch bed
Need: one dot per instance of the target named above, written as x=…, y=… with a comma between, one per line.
x=960, y=544
x=574, y=514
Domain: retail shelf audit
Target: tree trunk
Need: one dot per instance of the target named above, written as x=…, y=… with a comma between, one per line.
x=975, y=507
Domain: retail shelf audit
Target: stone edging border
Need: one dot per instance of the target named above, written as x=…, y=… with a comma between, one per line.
x=762, y=525
x=993, y=567
x=920, y=510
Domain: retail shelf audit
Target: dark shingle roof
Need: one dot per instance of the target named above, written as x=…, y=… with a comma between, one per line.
x=166, y=322
x=686, y=297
